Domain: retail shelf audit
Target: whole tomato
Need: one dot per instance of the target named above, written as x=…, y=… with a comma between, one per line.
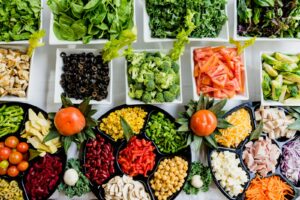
x=22, y=166
x=22, y=147
x=203, y=123
x=15, y=158
x=12, y=171
x=11, y=142
x=3, y=171
x=4, y=164
x=69, y=121
x=2, y=145
x=5, y=153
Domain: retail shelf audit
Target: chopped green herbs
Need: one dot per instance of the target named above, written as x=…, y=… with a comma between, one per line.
x=167, y=17
x=269, y=18
x=19, y=19
x=94, y=19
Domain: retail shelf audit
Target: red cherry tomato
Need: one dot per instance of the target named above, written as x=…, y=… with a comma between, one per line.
x=15, y=158
x=3, y=171
x=5, y=153
x=22, y=147
x=12, y=171
x=12, y=141
x=2, y=145
x=22, y=166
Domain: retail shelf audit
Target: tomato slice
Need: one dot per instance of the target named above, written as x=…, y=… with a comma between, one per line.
x=206, y=80
x=207, y=89
x=220, y=80
x=219, y=94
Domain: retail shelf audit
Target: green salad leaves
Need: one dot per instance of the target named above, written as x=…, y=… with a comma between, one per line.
x=91, y=19
x=167, y=17
x=82, y=185
x=19, y=19
x=269, y=18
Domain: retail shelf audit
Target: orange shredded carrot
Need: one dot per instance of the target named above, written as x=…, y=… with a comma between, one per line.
x=270, y=188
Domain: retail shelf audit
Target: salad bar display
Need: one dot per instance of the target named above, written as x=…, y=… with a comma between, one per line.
x=159, y=167
x=135, y=149
x=24, y=175
x=257, y=160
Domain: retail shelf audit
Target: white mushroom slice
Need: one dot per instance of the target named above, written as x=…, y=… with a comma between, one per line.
x=258, y=115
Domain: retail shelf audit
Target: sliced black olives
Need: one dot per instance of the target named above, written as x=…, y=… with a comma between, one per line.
x=85, y=75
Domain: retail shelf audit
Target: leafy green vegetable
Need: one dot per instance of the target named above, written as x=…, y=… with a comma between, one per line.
x=241, y=46
x=19, y=19
x=111, y=48
x=94, y=19
x=198, y=168
x=152, y=77
x=269, y=18
x=82, y=185
x=34, y=41
x=167, y=17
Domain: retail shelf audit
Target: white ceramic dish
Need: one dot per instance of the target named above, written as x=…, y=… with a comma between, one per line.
x=22, y=48
x=223, y=36
x=53, y=40
x=130, y=101
x=244, y=96
x=271, y=102
x=58, y=90
x=261, y=39
x=21, y=42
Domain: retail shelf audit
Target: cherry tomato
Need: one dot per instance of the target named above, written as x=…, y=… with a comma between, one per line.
x=12, y=171
x=22, y=166
x=4, y=164
x=15, y=158
x=22, y=147
x=3, y=171
x=2, y=145
x=11, y=142
x=203, y=123
x=4, y=153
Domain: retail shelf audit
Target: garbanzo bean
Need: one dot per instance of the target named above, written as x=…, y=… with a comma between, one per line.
x=111, y=125
x=169, y=177
x=10, y=190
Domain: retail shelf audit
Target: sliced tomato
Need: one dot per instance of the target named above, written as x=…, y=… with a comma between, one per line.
x=211, y=62
x=216, y=71
x=206, y=80
x=208, y=89
x=233, y=85
x=219, y=94
x=228, y=93
x=220, y=80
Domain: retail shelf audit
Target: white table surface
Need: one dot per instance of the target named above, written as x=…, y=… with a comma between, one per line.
x=44, y=69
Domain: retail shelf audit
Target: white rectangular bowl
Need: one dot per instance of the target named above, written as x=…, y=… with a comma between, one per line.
x=261, y=39
x=21, y=42
x=58, y=90
x=271, y=102
x=28, y=92
x=245, y=96
x=53, y=40
x=130, y=101
x=223, y=36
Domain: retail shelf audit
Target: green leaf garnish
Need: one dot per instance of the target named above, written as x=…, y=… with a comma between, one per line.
x=257, y=132
x=128, y=132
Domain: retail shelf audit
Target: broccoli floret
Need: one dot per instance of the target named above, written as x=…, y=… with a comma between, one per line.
x=150, y=85
x=147, y=97
x=149, y=75
x=169, y=97
x=136, y=58
x=138, y=86
x=175, y=67
x=175, y=89
x=138, y=94
x=160, y=77
x=159, y=97
x=168, y=81
x=133, y=71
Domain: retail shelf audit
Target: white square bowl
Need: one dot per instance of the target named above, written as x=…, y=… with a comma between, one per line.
x=244, y=96
x=21, y=42
x=58, y=90
x=271, y=102
x=130, y=101
x=261, y=39
x=22, y=48
x=223, y=36
x=53, y=40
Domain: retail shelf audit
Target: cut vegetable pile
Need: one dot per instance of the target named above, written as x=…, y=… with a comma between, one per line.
x=87, y=20
x=167, y=17
x=280, y=77
x=11, y=118
x=219, y=72
x=241, y=128
x=10, y=190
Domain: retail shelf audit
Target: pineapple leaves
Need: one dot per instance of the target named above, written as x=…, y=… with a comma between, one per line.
x=218, y=107
x=66, y=102
x=257, y=132
x=211, y=141
x=222, y=123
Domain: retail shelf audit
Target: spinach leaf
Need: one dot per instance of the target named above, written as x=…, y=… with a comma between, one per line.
x=91, y=19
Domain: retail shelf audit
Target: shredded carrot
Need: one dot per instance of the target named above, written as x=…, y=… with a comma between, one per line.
x=270, y=188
